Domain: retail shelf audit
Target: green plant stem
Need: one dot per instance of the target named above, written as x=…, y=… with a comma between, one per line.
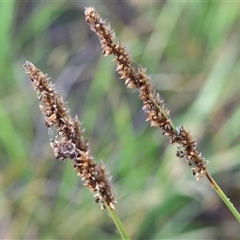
x=210, y=179
x=118, y=223
x=223, y=197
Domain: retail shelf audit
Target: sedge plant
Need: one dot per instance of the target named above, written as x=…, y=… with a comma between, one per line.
x=67, y=137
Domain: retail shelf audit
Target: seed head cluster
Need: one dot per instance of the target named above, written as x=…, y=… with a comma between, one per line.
x=135, y=77
x=68, y=141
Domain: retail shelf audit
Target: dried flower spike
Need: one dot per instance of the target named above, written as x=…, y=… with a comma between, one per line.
x=68, y=141
x=157, y=113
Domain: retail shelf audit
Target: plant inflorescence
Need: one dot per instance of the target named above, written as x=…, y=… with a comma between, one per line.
x=153, y=105
x=68, y=141
x=67, y=137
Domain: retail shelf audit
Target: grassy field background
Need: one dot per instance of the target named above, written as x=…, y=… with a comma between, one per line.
x=191, y=51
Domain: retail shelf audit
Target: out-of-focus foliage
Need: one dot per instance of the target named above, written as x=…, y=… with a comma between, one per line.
x=191, y=51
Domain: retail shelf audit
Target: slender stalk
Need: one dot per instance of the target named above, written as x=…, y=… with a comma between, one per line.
x=213, y=183
x=223, y=197
x=118, y=223
x=153, y=105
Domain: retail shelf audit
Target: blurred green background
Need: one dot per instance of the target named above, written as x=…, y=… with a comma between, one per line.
x=191, y=51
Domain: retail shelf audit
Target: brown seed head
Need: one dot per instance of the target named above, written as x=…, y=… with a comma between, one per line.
x=68, y=141
x=135, y=77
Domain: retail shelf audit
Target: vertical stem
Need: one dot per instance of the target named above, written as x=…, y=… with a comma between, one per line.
x=118, y=223
x=223, y=197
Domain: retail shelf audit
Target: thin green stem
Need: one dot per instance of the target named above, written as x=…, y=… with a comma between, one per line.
x=210, y=179
x=223, y=197
x=118, y=223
